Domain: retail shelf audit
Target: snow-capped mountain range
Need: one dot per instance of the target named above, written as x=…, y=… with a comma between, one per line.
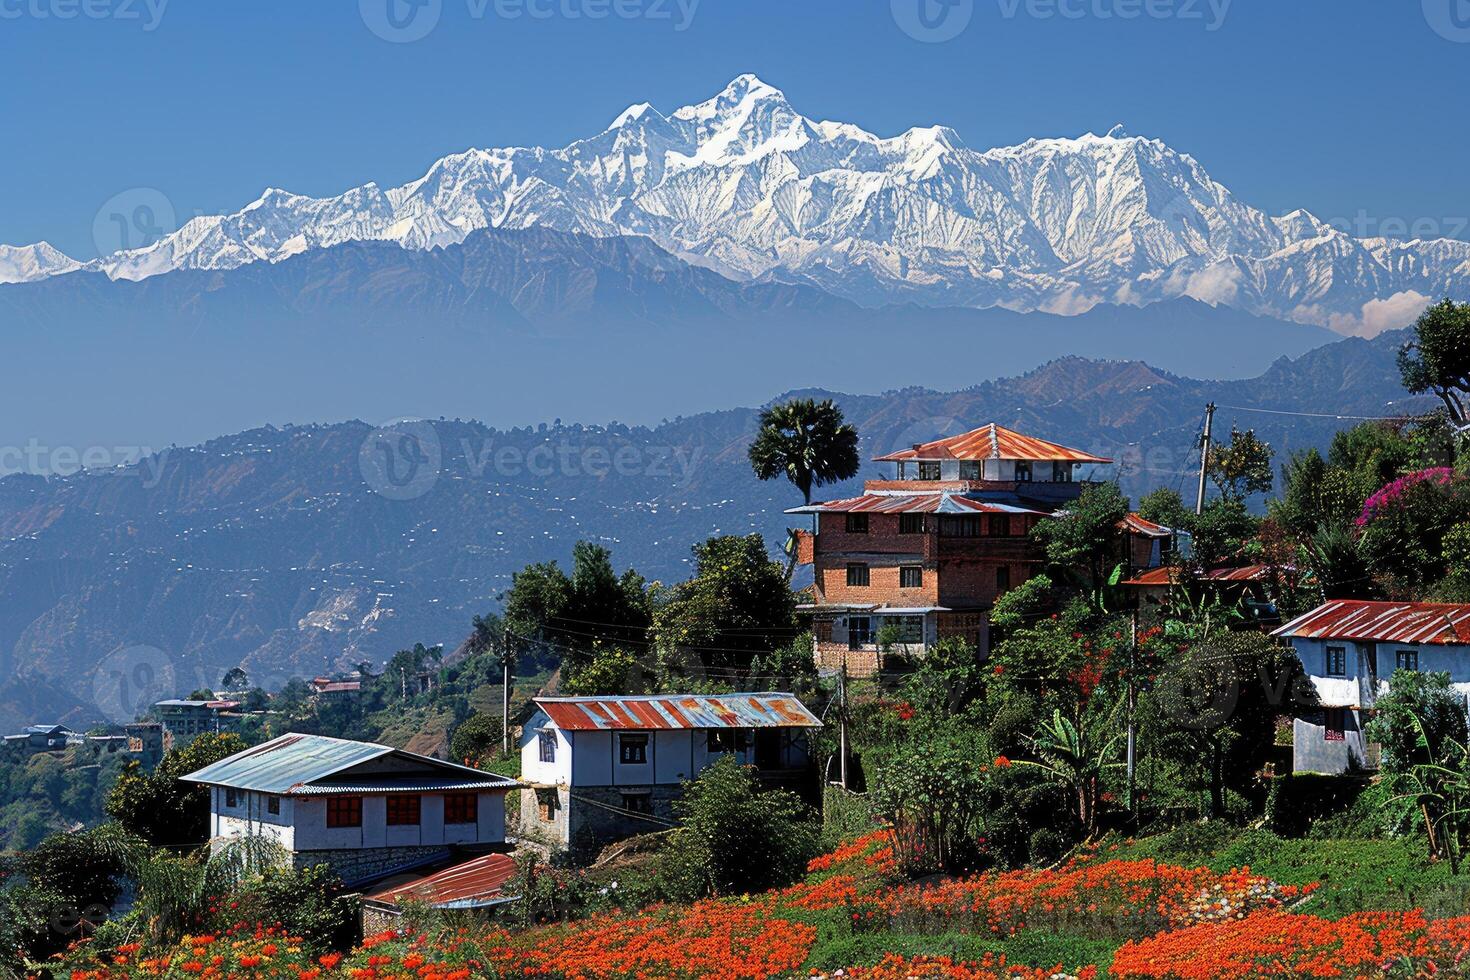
x=745, y=185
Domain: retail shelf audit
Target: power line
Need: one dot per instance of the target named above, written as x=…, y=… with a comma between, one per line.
x=1323, y=415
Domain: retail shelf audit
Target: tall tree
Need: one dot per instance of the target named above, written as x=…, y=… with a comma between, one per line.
x=160, y=808
x=1086, y=538
x=807, y=442
x=1241, y=467
x=737, y=605
x=1437, y=359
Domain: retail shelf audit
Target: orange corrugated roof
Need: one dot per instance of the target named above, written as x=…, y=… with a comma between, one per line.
x=1169, y=574
x=913, y=503
x=1388, y=622
x=469, y=884
x=678, y=711
x=992, y=442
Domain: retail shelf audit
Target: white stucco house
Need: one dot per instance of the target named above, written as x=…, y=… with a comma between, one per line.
x=595, y=769
x=1349, y=649
x=365, y=809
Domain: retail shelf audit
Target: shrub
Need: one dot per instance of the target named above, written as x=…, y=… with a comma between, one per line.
x=1297, y=801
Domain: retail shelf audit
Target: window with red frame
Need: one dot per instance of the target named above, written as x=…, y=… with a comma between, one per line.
x=1336, y=727
x=403, y=811
x=344, y=811
x=461, y=808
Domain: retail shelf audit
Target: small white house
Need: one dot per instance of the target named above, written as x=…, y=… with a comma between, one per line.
x=596, y=769
x=1350, y=649
x=365, y=809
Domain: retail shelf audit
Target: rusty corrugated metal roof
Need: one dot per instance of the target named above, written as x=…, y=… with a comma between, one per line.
x=290, y=764
x=992, y=442
x=679, y=711
x=913, y=503
x=1169, y=574
x=1387, y=622
x=469, y=884
x=1138, y=525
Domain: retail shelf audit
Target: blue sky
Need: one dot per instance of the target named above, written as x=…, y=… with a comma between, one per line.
x=1353, y=109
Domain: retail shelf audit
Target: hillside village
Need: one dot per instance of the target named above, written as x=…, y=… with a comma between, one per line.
x=988, y=717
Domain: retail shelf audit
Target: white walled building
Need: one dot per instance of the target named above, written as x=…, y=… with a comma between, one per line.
x=365, y=809
x=596, y=769
x=1349, y=649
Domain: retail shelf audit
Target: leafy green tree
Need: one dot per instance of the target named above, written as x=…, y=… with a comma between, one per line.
x=806, y=441
x=1437, y=359
x=477, y=737
x=1164, y=506
x=1241, y=468
x=1086, y=540
x=735, y=837
x=235, y=679
x=161, y=809
x=87, y=867
x=1403, y=528
x=1215, y=709
x=1421, y=726
x=930, y=791
x=1222, y=531
x=565, y=614
x=611, y=670
x=737, y=604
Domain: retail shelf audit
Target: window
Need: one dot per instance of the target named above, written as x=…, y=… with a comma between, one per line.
x=638, y=802
x=632, y=749
x=1000, y=525
x=859, y=631
x=960, y=527
x=1336, y=665
x=547, y=740
x=461, y=808
x=344, y=811
x=1002, y=579
x=1061, y=472
x=929, y=471
x=232, y=799
x=910, y=628
x=403, y=811
x=725, y=740
x=857, y=523
x=857, y=574
x=910, y=523
x=1335, y=727
x=1023, y=471
x=547, y=804
x=970, y=470
x=1407, y=660
x=911, y=577
x=273, y=805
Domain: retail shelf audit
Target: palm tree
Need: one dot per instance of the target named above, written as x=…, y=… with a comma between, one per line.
x=1077, y=756
x=806, y=441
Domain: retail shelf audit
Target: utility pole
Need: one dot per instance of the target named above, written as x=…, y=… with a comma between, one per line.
x=842, y=723
x=1204, y=458
x=1132, y=705
x=505, y=693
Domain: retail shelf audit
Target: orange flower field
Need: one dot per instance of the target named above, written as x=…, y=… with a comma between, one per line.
x=1172, y=923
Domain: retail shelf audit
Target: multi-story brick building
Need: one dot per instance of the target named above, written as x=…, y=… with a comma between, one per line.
x=926, y=554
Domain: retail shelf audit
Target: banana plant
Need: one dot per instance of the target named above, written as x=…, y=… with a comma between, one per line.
x=1077, y=756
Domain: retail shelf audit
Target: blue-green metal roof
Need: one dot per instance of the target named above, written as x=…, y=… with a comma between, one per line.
x=296, y=764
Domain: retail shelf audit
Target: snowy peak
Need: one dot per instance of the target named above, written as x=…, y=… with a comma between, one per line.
x=25, y=263
x=743, y=184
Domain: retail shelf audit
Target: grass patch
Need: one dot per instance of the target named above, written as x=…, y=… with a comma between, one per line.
x=1032, y=948
x=1355, y=873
